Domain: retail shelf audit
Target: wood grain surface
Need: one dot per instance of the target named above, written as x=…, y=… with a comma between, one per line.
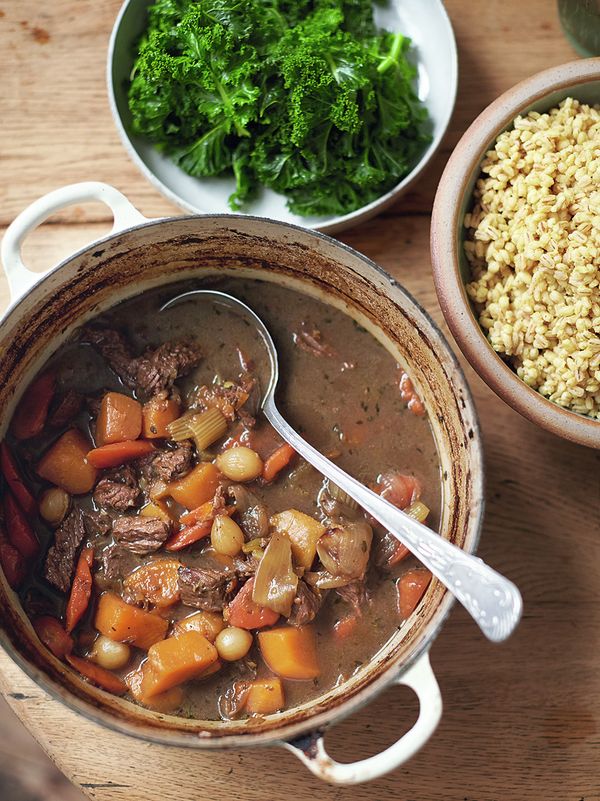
x=521, y=720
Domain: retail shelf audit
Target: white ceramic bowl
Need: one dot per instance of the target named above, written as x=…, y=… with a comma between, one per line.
x=424, y=21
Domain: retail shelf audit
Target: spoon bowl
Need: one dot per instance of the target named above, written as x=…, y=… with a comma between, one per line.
x=492, y=600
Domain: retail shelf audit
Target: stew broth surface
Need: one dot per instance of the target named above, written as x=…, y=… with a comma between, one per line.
x=342, y=394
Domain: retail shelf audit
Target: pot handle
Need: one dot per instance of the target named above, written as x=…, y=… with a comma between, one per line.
x=310, y=749
x=20, y=279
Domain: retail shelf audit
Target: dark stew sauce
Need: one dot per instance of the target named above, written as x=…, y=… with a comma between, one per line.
x=164, y=540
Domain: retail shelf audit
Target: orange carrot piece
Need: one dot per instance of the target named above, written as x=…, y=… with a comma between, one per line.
x=265, y=696
x=200, y=514
x=290, y=652
x=119, y=419
x=126, y=623
x=15, y=481
x=155, y=583
x=12, y=563
x=277, y=461
x=158, y=508
x=97, y=675
x=399, y=489
x=54, y=637
x=209, y=624
x=81, y=589
x=244, y=613
x=400, y=553
x=188, y=536
x=157, y=414
x=175, y=660
x=118, y=453
x=203, y=513
x=411, y=588
x=65, y=463
x=19, y=530
x=197, y=487
x=30, y=415
x=345, y=627
x=165, y=702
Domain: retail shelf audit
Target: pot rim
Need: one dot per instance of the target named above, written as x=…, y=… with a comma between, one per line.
x=352, y=700
x=445, y=242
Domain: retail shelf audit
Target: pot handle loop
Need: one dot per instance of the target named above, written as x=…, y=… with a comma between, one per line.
x=20, y=279
x=310, y=749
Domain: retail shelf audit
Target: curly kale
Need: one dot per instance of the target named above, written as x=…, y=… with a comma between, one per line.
x=305, y=97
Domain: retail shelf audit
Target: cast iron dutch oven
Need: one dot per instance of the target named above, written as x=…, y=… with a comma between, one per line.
x=140, y=254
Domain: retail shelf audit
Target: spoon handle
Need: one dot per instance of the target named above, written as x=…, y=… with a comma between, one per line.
x=493, y=601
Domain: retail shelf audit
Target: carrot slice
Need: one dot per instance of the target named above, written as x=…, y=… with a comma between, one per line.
x=118, y=453
x=119, y=419
x=244, y=613
x=154, y=583
x=265, y=696
x=12, y=563
x=345, y=627
x=19, y=530
x=15, y=481
x=204, y=513
x=400, y=553
x=65, y=463
x=399, y=489
x=97, y=675
x=126, y=623
x=290, y=652
x=411, y=588
x=54, y=637
x=31, y=413
x=81, y=590
x=277, y=461
x=175, y=660
x=196, y=487
x=157, y=414
x=188, y=536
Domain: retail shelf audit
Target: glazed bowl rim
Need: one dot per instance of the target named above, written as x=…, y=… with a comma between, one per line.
x=446, y=241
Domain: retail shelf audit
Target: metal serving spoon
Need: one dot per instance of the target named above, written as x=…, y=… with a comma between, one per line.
x=493, y=601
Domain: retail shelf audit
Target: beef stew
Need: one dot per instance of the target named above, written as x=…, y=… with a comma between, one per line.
x=183, y=554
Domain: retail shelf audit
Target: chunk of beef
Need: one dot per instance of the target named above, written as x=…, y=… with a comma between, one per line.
x=60, y=560
x=228, y=398
x=150, y=373
x=171, y=464
x=159, y=369
x=253, y=515
x=206, y=588
x=117, y=562
x=69, y=405
x=245, y=567
x=167, y=464
x=97, y=524
x=354, y=594
x=140, y=535
x=306, y=604
x=118, y=489
x=115, y=349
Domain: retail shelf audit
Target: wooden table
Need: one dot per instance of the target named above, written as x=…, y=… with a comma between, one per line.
x=521, y=720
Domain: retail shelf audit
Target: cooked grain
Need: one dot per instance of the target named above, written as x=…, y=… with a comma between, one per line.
x=533, y=243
